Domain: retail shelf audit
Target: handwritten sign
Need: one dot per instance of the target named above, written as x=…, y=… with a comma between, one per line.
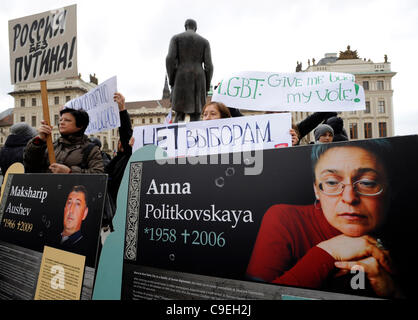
x=99, y=104
x=217, y=136
x=301, y=91
x=43, y=46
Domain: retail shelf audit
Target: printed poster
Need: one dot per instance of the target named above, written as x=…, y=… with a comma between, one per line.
x=210, y=231
x=40, y=213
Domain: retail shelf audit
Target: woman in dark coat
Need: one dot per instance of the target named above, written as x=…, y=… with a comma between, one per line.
x=20, y=134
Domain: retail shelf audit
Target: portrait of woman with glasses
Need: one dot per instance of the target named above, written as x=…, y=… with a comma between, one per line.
x=319, y=245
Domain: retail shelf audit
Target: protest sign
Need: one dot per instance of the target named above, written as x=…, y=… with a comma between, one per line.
x=217, y=136
x=98, y=103
x=49, y=235
x=189, y=237
x=43, y=46
x=301, y=91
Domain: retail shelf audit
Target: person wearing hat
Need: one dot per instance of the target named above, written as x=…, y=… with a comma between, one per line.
x=323, y=134
x=337, y=125
x=20, y=134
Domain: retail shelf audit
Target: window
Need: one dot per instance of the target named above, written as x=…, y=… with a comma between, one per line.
x=56, y=100
x=33, y=121
x=382, y=129
x=22, y=102
x=33, y=102
x=353, y=131
x=150, y=120
x=366, y=85
x=56, y=119
x=22, y=118
x=380, y=85
x=67, y=98
x=367, y=130
x=367, y=107
x=159, y=120
x=381, y=106
x=143, y=120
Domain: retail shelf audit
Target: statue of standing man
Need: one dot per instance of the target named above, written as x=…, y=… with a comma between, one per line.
x=189, y=68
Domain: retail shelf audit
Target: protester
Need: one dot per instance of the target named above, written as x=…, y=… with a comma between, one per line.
x=315, y=246
x=235, y=112
x=116, y=167
x=323, y=134
x=337, y=125
x=311, y=122
x=215, y=110
x=68, y=148
x=20, y=134
x=106, y=158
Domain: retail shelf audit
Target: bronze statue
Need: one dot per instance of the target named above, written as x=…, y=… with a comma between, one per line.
x=298, y=66
x=348, y=54
x=189, y=80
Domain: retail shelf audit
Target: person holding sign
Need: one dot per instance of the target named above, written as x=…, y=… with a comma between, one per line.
x=116, y=167
x=68, y=148
x=323, y=134
x=316, y=246
x=215, y=110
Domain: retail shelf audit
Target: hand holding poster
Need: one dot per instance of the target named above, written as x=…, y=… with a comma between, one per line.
x=301, y=91
x=43, y=46
x=99, y=104
x=217, y=136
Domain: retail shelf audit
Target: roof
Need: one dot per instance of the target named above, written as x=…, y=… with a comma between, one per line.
x=326, y=60
x=6, y=121
x=150, y=104
x=6, y=113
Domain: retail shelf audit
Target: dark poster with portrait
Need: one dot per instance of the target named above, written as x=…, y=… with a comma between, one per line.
x=195, y=231
x=40, y=211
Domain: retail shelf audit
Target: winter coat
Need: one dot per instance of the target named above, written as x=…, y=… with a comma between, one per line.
x=12, y=151
x=116, y=167
x=68, y=151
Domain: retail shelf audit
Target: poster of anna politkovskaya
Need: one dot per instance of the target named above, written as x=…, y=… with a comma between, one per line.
x=319, y=221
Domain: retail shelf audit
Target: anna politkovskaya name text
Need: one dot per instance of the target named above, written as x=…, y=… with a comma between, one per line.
x=175, y=212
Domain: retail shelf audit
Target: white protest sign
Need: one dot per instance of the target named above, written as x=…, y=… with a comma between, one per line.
x=98, y=103
x=300, y=91
x=237, y=134
x=44, y=46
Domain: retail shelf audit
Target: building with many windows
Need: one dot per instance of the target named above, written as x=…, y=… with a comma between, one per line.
x=377, y=119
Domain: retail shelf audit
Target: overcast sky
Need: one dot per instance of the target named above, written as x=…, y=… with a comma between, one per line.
x=130, y=38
